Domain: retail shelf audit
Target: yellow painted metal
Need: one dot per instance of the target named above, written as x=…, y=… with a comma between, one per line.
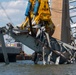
x=43, y=14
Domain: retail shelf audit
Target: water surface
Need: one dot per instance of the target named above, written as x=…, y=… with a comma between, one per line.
x=28, y=68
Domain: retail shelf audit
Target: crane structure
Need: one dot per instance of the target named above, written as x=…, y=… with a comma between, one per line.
x=72, y=10
x=40, y=14
x=36, y=33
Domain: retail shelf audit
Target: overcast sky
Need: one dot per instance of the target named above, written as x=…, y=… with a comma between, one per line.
x=15, y=9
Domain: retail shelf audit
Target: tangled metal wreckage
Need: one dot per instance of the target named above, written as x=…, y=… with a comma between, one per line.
x=36, y=33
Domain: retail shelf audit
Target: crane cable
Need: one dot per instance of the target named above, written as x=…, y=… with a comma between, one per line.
x=6, y=13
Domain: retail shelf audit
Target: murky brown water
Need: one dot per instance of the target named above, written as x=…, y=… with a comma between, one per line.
x=28, y=68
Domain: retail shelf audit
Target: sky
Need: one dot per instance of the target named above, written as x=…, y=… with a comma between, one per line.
x=12, y=11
